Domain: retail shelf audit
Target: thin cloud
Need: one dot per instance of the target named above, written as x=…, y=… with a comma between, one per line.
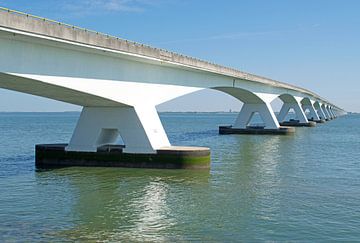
x=96, y=7
x=231, y=36
x=63, y=9
x=241, y=35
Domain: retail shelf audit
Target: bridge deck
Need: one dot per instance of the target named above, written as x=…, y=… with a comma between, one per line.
x=42, y=26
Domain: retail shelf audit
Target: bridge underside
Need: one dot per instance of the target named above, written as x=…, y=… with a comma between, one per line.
x=127, y=109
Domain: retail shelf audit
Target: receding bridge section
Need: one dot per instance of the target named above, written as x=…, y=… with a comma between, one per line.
x=119, y=83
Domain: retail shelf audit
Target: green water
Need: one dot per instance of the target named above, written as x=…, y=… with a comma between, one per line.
x=304, y=187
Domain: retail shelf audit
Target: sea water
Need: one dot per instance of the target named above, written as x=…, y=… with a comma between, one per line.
x=303, y=187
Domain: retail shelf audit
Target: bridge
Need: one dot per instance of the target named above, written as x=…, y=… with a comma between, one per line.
x=119, y=83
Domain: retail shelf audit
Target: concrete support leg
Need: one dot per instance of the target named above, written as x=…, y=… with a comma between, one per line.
x=335, y=112
x=265, y=111
x=331, y=113
x=312, y=112
x=321, y=113
x=284, y=111
x=300, y=115
x=326, y=113
x=139, y=127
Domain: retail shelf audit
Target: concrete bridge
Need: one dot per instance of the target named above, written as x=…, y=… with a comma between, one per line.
x=119, y=83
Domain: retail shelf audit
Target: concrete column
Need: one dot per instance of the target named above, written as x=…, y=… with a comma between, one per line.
x=328, y=112
x=327, y=115
x=139, y=127
x=300, y=115
x=332, y=112
x=321, y=113
x=292, y=102
x=312, y=112
x=283, y=112
x=264, y=109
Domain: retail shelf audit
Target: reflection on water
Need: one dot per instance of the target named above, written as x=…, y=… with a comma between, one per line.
x=260, y=188
x=154, y=215
x=254, y=170
x=121, y=204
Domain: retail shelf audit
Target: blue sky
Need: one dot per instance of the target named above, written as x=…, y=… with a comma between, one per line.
x=313, y=44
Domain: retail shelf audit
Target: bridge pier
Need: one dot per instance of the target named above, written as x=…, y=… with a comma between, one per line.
x=334, y=112
x=291, y=102
x=326, y=112
x=139, y=127
x=248, y=111
x=146, y=144
x=331, y=112
x=319, y=111
x=263, y=107
x=313, y=115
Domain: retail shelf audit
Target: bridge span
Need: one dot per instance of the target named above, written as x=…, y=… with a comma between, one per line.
x=119, y=83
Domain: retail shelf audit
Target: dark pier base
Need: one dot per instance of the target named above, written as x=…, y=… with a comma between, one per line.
x=54, y=155
x=317, y=121
x=295, y=123
x=256, y=130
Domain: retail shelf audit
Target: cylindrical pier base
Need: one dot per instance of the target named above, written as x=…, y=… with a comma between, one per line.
x=298, y=124
x=318, y=121
x=256, y=130
x=54, y=155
